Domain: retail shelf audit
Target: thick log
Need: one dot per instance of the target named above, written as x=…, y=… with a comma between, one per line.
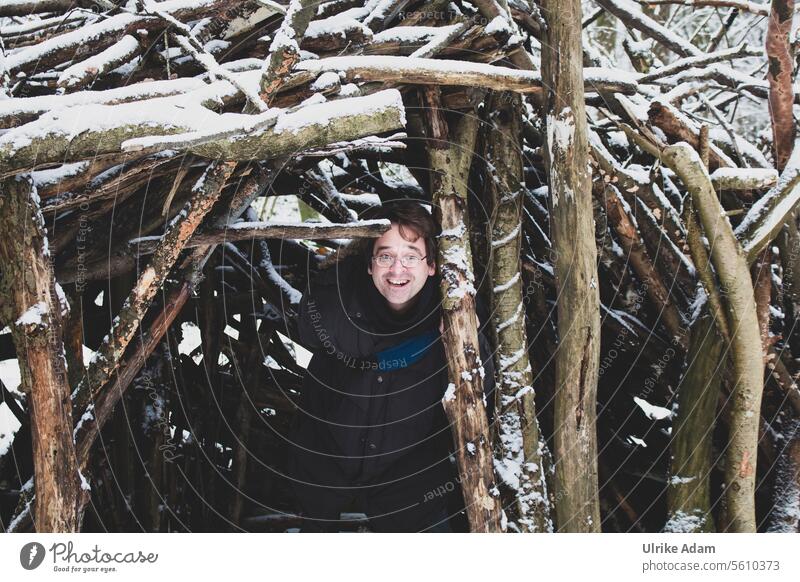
x=519, y=446
x=731, y=264
x=463, y=402
x=58, y=138
x=33, y=305
x=572, y=230
x=421, y=71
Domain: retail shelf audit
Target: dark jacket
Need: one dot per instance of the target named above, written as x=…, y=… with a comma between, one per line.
x=359, y=421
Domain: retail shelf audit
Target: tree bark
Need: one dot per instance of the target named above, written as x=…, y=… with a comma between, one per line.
x=731, y=264
x=779, y=75
x=450, y=161
x=33, y=305
x=689, y=487
x=519, y=446
x=572, y=228
x=284, y=52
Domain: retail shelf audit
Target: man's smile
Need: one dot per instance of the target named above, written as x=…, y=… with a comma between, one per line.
x=398, y=282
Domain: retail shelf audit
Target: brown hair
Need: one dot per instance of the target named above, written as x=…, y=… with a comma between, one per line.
x=413, y=220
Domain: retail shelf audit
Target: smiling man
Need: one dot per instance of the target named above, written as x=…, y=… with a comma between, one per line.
x=400, y=266
x=370, y=434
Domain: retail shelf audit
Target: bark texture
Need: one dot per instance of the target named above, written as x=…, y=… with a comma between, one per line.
x=33, y=306
x=731, y=265
x=572, y=227
x=450, y=162
x=519, y=446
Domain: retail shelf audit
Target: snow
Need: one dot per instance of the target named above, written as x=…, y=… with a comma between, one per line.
x=637, y=441
x=28, y=488
x=34, y=314
x=635, y=14
x=507, y=285
x=285, y=36
x=456, y=257
x=326, y=80
x=772, y=209
x=9, y=425
x=338, y=25
x=412, y=35
x=369, y=199
x=450, y=393
x=457, y=231
x=87, y=416
x=498, y=24
x=136, y=92
x=560, y=135
x=392, y=64
x=10, y=375
x=62, y=300
x=651, y=411
x=508, y=361
x=682, y=522
x=84, y=483
x=378, y=10
x=677, y=480
x=785, y=517
x=105, y=60
x=508, y=238
x=246, y=225
x=40, y=23
x=329, y=113
x=53, y=176
x=748, y=150
x=511, y=320
x=116, y=24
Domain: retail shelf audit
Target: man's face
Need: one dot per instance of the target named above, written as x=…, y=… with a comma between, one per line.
x=399, y=284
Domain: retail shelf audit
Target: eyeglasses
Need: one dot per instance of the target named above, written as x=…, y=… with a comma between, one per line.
x=408, y=261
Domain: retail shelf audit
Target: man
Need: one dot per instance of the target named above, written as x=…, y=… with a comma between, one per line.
x=370, y=434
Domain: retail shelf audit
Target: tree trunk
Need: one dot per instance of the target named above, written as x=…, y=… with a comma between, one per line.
x=572, y=228
x=33, y=305
x=729, y=259
x=689, y=487
x=779, y=75
x=519, y=446
x=450, y=161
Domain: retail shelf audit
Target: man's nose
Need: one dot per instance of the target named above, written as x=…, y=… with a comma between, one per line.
x=397, y=266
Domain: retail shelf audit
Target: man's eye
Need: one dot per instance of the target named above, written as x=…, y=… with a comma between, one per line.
x=385, y=258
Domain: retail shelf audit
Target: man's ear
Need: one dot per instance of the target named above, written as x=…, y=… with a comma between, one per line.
x=431, y=269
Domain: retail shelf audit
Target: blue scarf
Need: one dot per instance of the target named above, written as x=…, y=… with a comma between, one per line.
x=405, y=354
